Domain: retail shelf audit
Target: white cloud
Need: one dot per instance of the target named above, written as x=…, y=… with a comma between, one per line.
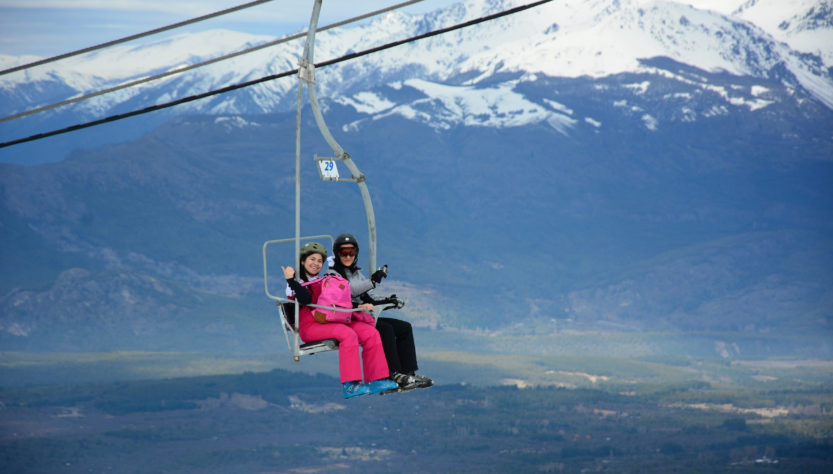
x=269, y=11
x=50, y=27
x=277, y=10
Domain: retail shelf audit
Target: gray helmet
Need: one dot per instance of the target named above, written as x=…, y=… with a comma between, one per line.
x=344, y=239
x=312, y=247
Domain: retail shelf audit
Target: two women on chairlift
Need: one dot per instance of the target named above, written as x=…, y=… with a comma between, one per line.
x=306, y=287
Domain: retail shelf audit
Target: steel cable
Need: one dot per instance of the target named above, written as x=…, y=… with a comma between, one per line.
x=234, y=87
x=132, y=37
x=201, y=64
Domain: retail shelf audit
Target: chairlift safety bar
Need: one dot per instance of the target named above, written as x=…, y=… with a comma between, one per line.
x=280, y=299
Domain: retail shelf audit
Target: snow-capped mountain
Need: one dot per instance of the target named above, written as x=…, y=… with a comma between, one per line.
x=763, y=39
x=805, y=25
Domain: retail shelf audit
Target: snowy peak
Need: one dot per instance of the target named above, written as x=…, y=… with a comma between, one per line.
x=603, y=38
x=805, y=25
x=123, y=62
x=442, y=106
x=591, y=38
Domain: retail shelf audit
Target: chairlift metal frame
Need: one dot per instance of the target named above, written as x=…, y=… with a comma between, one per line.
x=290, y=331
x=306, y=75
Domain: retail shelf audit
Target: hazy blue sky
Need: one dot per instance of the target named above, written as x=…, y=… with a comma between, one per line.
x=50, y=27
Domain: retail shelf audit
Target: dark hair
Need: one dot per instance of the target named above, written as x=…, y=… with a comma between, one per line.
x=302, y=272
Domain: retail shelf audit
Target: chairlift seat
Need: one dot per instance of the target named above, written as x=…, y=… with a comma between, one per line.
x=315, y=347
x=307, y=348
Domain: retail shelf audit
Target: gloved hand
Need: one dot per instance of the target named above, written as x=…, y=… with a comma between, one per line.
x=397, y=302
x=379, y=274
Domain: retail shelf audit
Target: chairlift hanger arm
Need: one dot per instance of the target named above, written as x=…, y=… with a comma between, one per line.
x=307, y=75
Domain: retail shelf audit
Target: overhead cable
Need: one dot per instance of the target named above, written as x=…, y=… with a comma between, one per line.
x=234, y=87
x=133, y=37
x=201, y=64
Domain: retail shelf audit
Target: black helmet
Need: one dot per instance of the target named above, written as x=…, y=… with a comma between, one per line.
x=313, y=247
x=344, y=239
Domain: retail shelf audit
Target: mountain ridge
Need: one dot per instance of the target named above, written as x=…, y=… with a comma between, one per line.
x=596, y=39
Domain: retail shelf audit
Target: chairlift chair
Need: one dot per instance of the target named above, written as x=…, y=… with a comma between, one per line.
x=284, y=305
x=328, y=171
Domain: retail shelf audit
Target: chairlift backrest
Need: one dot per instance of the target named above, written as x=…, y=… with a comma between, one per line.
x=285, y=305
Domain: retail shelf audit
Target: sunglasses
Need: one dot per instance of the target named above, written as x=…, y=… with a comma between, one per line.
x=348, y=252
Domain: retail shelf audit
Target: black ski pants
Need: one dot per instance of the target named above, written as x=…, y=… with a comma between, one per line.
x=398, y=342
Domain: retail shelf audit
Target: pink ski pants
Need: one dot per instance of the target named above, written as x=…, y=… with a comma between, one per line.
x=350, y=336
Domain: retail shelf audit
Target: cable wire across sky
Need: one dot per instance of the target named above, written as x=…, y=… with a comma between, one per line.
x=271, y=77
x=133, y=37
x=183, y=69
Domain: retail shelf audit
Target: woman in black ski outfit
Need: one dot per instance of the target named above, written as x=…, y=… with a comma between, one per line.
x=397, y=335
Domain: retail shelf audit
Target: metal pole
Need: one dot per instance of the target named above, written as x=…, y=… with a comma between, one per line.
x=296, y=346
